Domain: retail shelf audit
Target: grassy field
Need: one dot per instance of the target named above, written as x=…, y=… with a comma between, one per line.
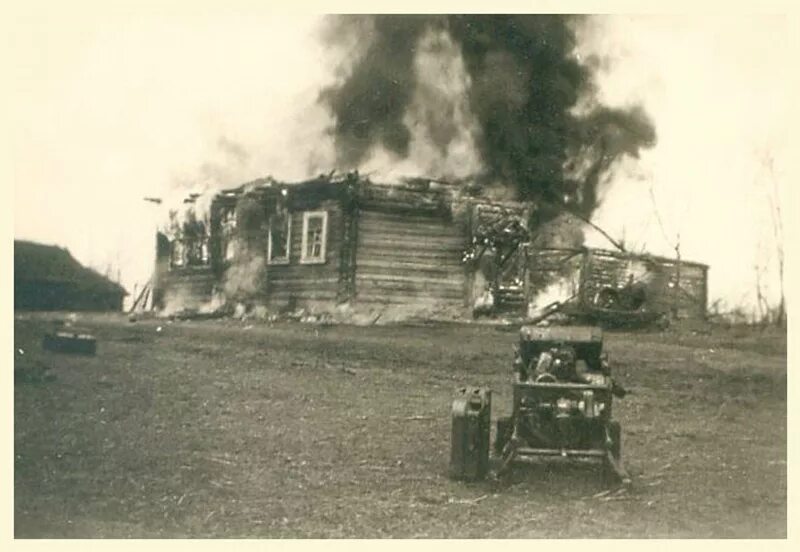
x=227, y=429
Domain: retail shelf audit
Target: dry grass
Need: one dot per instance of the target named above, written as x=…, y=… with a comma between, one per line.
x=217, y=429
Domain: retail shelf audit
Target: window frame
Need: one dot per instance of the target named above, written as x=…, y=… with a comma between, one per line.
x=280, y=260
x=322, y=258
x=177, y=254
x=227, y=232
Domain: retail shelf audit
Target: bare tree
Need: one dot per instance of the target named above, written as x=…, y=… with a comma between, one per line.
x=776, y=216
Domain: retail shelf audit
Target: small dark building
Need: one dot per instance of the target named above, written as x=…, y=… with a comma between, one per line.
x=47, y=277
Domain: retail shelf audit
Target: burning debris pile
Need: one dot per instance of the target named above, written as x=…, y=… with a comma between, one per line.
x=497, y=253
x=615, y=288
x=191, y=245
x=500, y=236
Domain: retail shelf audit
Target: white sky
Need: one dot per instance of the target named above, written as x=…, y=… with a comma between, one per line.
x=719, y=91
x=126, y=108
x=113, y=109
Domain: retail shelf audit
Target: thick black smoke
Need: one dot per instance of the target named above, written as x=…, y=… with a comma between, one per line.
x=526, y=82
x=370, y=103
x=597, y=140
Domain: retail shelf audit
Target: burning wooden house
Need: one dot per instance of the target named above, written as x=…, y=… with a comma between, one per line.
x=417, y=248
x=326, y=243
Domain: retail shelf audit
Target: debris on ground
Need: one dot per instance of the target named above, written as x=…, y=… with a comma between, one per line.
x=469, y=501
x=70, y=342
x=616, y=495
x=198, y=315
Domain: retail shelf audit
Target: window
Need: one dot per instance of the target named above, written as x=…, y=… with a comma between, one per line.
x=315, y=234
x=177, y=259
x=195, y=241
x=196, y=251
x=228, y=230
x=280, y=235
x=229, y=250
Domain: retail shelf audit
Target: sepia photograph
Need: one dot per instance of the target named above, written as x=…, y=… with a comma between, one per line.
x=399, y=276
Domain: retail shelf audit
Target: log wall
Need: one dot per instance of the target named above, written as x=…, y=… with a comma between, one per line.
x=303, y=284
x=409, y=259
x=188, y=288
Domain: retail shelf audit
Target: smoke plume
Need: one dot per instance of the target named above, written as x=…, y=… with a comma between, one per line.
x=370, y=103
x=533, y=120
x=247, y=273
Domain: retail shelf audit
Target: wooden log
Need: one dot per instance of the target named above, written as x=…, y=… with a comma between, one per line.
x=302, y=283
x=403, y=219
x=363, y=297
x=411, y=279
x=306, y=295
x=409, y=230
x=449, y=258
x=435, y=270
x=408, y=248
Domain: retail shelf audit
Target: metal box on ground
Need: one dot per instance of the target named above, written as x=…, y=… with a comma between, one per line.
x=469, y=454
x=70, y=342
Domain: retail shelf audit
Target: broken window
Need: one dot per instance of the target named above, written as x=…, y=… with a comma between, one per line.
x=280, y=232
x=187, y=240
x=172, y=235
x=195, y=241
x=228, y=234
x=177, y=258
x=315, y=233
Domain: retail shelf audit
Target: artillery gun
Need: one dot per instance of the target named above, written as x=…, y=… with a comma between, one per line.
x=562, y=407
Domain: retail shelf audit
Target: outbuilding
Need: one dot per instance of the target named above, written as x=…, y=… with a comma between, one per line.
x=48, y=278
